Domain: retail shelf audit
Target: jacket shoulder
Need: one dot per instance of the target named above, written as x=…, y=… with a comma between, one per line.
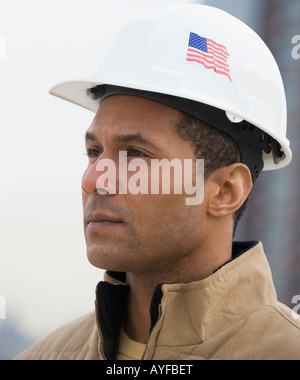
x=290, y=322
x=76, y=340
x=274, y=334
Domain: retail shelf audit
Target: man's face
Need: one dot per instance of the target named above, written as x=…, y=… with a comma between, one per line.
x=137, y=232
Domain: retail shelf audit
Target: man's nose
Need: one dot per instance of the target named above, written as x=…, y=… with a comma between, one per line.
x=89, y=178
x=100, y=177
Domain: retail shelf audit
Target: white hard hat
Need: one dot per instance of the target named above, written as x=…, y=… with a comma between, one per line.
x=202, y=61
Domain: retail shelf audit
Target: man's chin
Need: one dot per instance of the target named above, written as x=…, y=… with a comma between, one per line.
x=105, y=260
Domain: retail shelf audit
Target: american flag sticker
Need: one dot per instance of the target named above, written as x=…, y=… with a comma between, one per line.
x=208, y=53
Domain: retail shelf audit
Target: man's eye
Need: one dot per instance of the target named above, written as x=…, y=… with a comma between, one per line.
x=132, y=152
x=93, y=153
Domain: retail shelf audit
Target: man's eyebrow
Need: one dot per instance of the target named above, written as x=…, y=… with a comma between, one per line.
x=90, y=136
x=135, y=137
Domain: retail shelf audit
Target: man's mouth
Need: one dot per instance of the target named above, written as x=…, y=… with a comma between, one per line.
x=96, y=221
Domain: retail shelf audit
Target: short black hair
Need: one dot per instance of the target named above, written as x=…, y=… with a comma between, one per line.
x=216, y=147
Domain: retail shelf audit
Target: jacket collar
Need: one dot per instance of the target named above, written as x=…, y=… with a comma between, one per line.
x=206, y=308
x=189, y=314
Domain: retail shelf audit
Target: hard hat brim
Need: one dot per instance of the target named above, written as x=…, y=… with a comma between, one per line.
x=77, y=91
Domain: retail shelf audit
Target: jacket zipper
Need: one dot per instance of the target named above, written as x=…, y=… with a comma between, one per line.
x=151, y=333
x=102, y=351
x=100, y=333
x=102, y=338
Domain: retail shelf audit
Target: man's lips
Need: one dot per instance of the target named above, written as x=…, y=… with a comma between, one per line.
x=100, y=220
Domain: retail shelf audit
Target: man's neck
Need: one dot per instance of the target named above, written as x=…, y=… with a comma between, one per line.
x=142, y=287
x=138, y=321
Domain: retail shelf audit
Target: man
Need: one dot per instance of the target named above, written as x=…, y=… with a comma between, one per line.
x=178, y=87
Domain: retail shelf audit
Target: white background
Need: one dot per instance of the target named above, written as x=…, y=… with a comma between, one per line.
x=44, y=274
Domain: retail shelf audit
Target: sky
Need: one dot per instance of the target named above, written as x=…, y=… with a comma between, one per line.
x=45, y=277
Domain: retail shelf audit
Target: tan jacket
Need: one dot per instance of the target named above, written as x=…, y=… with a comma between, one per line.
x=233, y=314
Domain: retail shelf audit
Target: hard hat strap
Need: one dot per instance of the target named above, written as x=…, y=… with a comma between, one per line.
x=251, y=140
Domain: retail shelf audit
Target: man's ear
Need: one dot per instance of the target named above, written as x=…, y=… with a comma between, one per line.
x=227, y=189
